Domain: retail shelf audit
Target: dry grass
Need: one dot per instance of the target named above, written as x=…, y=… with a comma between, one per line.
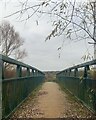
x=92, y=74
x=11, y=72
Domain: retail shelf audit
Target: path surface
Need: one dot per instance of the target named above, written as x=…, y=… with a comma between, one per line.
x=51, y=102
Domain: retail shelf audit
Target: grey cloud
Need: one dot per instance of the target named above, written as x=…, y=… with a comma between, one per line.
x=44, y=55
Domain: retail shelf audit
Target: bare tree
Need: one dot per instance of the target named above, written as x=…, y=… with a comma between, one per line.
x=71, y=18
x=11, y=41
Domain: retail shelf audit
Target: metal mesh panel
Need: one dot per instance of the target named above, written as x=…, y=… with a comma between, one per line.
x=16, y=88
x=15, y=91
x=83, y=87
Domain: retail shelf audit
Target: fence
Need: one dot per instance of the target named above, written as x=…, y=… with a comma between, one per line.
x=16, y=89
x=80, y=80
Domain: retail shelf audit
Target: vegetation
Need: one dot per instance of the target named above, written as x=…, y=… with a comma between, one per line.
x=73, y=19
x=50, y=75
x=11, y=42
x=11, y=73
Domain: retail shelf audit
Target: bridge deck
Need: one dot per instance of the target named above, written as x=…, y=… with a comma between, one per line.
x=51, y=102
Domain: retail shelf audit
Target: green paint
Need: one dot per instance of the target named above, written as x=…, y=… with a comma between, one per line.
x=83, y=87
x=15, y=90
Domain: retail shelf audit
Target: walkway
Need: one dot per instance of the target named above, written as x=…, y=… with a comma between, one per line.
x=51, y=102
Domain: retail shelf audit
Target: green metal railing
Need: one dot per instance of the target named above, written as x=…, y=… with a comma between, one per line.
x=15, y=90
x=83, y=86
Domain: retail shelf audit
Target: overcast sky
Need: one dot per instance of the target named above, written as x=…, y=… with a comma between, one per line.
x=44, y=55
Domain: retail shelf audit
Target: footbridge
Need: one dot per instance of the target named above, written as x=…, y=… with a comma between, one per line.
x=18, y=80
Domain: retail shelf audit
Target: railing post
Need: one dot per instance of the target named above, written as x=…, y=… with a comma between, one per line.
x=2, y=69
x=32, y=72
x=40, y=74
x=19, y=71
x=76, y=72
x=86, y=71
x=69, y=72
x=28, y=71
x=63, y=73
x=36, y=72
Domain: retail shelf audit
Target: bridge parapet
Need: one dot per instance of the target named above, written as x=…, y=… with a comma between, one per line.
x=19, y=65
x=16, y=89
x=80, y=80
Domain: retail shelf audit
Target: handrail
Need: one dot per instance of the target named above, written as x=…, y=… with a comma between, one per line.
x=15, y=90
x=80, y=80
x=86, y=64
x=19, y=65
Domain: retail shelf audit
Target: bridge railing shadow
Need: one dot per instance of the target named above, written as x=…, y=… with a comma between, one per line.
x=80, y=80
x=16, y=87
